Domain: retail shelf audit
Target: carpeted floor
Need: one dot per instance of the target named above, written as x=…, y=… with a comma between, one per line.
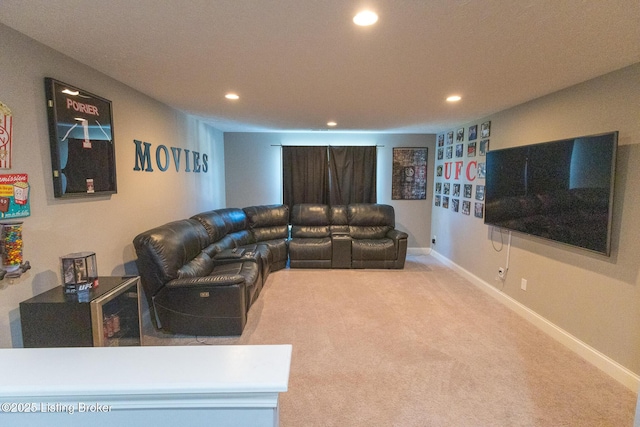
x=417, y=347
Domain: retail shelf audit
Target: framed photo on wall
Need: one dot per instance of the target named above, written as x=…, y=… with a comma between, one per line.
x=81, y=140
x=409, y=175
x=466, y=207
x=468, y=189
x=485, y=130
x=473, y=132
x=484, y=147
x=471, y=149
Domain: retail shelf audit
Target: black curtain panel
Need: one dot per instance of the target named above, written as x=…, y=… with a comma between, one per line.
x=305, y=175
x=352, y=175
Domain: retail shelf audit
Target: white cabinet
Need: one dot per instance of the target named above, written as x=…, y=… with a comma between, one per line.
x=160, y=386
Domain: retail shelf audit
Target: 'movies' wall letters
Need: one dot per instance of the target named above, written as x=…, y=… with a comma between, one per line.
x=193, y=161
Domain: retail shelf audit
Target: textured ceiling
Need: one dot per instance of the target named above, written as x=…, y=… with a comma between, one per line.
x=299, y=63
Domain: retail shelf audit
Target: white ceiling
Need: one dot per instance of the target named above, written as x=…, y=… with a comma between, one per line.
x=299, y=63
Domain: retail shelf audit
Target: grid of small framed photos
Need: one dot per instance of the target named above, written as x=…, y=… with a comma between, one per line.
x=461, y=169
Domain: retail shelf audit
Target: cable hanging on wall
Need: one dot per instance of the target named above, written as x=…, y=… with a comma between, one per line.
x=502, y=271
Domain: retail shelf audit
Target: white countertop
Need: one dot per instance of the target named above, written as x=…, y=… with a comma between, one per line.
x=111, y=371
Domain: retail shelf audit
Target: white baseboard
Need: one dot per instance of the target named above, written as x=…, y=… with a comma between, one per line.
x=618, y=372
x=418, y=251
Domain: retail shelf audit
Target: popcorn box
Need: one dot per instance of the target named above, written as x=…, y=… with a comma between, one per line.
x=21, y=193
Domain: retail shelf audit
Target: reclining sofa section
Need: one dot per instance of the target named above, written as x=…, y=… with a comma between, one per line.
x=352, y=236
x=201, y=275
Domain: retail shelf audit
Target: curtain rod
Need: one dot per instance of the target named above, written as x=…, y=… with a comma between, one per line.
x=280, y=145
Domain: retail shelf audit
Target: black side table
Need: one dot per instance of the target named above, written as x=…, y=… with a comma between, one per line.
x=107, y=315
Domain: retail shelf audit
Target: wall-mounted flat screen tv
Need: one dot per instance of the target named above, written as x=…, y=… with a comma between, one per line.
x=81, y=139
x=559, y=190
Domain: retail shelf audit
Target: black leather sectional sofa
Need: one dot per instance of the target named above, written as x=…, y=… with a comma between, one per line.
x=201, y=275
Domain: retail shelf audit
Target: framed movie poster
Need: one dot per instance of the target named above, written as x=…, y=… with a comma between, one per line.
x=81, y=139
x=409, y=176
x=14, y=196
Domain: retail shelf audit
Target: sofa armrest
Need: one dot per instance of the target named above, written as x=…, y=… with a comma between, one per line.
x=233, y=253
x=213, y=280
x=397, y=234
x=400, y=241
x=247, y=255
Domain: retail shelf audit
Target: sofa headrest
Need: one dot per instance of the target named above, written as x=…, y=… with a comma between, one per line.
x=309, y=214
x=163, y=250
x=339, y=215
x=366, y=214
x=267, y=215
x=214, y=224
x=235, y=219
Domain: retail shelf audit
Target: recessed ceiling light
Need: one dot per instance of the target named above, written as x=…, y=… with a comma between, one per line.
x=332, y=124
x=232, y=96
x=365, y=18
x=454, y=98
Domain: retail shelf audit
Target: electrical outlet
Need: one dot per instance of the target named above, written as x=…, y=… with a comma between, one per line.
x=434, y=239
x=523, y=284
x=501, y=273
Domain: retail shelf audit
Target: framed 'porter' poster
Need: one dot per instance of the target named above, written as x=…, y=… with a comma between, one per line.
x=81, y=139
x=409, y=176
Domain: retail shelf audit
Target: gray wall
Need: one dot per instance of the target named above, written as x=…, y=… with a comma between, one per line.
x=105, y=225
x=594, y=298
x=254, y=172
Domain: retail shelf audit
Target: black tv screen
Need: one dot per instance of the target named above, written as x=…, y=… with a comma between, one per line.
x=559, y=190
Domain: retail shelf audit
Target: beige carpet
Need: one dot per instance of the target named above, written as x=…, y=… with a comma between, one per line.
x=417, y=347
